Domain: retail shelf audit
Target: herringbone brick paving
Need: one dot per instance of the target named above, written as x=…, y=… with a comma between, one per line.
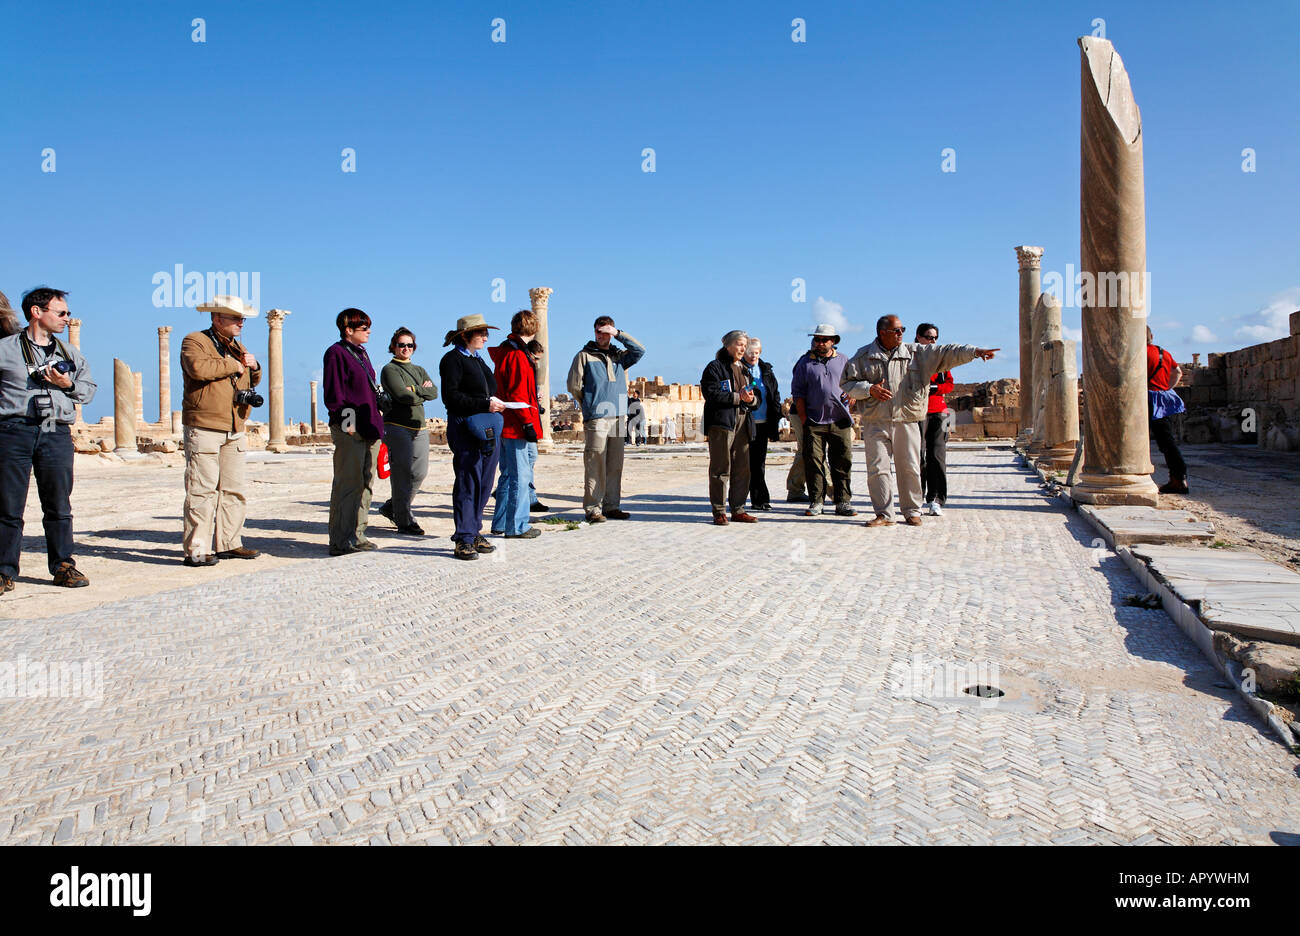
x=655, y=681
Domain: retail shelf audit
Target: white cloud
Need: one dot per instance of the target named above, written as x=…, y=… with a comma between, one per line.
x=1202, y=335
x=832, y=313
x=1272, y=321
x=1071, y=334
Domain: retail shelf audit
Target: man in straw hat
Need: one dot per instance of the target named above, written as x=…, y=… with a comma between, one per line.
x=41, y=381
x=827, y=425
x=216, y=367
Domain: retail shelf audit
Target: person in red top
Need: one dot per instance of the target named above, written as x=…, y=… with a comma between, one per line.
x=934, y=433
x=1163, y=374
x=517, y=384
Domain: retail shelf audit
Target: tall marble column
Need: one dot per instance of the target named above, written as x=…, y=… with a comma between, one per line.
x=540, y=296
x=74, y=339
x=123, y=409
x=275, y=378
x=1060, y=420
x=1030, y=261
x=164, y=374
x=1112, y=259
x=1047, y=328
x=138, y=379
x=315, y=426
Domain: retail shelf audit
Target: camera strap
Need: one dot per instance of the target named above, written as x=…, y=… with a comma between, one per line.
x=221, y=349
x=29, y=350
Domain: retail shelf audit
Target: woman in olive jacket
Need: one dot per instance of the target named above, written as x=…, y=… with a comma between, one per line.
x=408, y=386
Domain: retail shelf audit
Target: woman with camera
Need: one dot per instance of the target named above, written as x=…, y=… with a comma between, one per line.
x=516, y=382
x=408, y=386
x=474, y=425
x=356, y=427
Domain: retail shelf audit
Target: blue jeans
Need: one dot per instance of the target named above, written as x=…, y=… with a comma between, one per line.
x=25, y=449
x=532, y=487
x=511, y=516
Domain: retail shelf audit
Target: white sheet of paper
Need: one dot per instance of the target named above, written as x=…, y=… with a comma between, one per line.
x=519, y=406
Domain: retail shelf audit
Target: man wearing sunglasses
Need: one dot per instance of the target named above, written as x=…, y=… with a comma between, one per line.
x=891, y=382
x=41, y=381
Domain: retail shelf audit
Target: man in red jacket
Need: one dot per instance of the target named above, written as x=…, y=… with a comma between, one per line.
x=934, y=433
x=517, y=388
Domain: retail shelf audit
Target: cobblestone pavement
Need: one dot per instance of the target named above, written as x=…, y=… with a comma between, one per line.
x=660, y=680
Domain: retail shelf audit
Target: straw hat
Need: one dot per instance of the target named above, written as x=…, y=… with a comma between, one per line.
x=467, y=323
x=229, y=305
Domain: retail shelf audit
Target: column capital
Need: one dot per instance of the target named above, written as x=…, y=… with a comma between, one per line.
x=1029, y=258
x=74, y=323
x=540, y=295
x=275, y=317
x=163, y=330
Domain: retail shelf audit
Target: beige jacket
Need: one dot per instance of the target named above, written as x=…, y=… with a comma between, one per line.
x=209, y=395
x=905, y=371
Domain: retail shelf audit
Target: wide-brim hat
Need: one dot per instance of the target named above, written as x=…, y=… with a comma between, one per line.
x=467, y=323
x=228, y=305
x=825, y=331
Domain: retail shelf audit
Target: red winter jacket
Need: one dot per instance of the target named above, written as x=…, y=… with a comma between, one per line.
x=516, y=383
x=940, y=384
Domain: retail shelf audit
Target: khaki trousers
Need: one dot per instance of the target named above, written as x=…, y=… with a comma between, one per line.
x=602, y=462
x=214, y=491
x=354, y=477
x=901, y=442
x=795, y=482
x=729, y=455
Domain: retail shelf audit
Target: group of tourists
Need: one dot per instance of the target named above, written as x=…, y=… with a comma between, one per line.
x=494, y=413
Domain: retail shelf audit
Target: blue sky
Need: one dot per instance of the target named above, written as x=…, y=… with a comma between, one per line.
x=523, y=160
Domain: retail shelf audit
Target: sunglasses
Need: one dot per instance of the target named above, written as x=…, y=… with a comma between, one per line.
x=401, y=344
x=896, y=331
x=928, y=338
x=64, y=314
x=818, y=340
x=359, y=327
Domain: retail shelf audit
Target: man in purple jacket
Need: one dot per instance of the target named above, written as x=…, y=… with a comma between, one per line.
x=356, y=427
x=827, y=423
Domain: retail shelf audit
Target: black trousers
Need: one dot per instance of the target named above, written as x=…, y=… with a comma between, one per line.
x=934, y=460
x=829, y=442
x=1162, y=431
x=24, y=449
x=758, y=493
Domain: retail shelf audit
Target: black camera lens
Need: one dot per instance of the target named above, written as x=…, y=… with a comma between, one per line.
x=63, y=367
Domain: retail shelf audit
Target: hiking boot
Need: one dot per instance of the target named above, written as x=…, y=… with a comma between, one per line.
x=530, y=533
x=481, y=544
x=719, y=518
x=196, y=562
x=845, y=510
x=617, y=514
x=411, y=529
x=813, y=512
x=6, y=584
x=365, y=547
x=67, y=576
x=935, y=508
x=538, y=507
x=465, y=551
x=595, y=518
x=386, y=508
x=239, y=552
x=339, y=551
x=1174, y=487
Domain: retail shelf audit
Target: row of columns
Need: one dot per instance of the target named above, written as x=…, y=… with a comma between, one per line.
x=1112, y=259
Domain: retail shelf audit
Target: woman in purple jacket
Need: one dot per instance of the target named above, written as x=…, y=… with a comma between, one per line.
x=356, y=428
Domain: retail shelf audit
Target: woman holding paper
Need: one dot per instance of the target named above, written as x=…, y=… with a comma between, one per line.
x=516, y=386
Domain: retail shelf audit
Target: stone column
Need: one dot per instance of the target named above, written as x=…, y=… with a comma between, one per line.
x=1112, y=259
x=178, y=422
x=164, y=374
x=1060, y=432
x=1046, y=324
x=1030, y=260
x=123, y=409
x=74, y=339
x=314, y=423
x=138, y=378
x=540, y=296
x=275, y=375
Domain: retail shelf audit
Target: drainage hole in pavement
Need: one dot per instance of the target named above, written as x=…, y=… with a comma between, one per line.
x=984, y=692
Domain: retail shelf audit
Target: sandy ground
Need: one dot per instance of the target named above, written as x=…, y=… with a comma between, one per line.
x=128, y=528
x=1249, y=494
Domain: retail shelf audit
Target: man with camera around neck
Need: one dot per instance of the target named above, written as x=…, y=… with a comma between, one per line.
x=220, y=374
x=41, y=381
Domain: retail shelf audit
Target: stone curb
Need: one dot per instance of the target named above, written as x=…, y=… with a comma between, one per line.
x=1188, y=621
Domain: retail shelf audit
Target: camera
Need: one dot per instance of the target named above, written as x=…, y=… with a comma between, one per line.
x=63, y=367
x=248, y=398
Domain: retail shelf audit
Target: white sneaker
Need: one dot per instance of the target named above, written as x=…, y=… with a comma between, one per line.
x=935, y=509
